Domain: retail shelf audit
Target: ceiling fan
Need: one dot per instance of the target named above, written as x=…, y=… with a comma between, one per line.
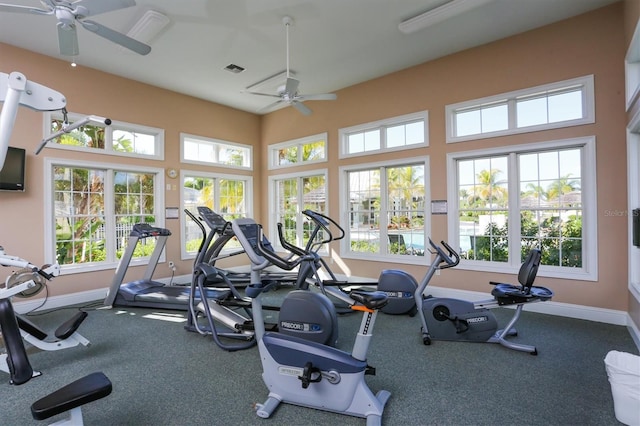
x=288, y=93
x=69, y=12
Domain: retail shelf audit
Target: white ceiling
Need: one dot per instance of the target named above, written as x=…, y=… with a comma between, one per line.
x=333, y=43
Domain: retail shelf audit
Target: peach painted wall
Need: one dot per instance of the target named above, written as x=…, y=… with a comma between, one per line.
x=89, y=91
x=593, y=43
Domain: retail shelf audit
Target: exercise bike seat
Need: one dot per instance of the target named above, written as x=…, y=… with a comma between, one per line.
x=509, y=294
x=82, y=391
x=370, y=299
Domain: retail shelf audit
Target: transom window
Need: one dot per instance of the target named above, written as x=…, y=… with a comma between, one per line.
x=310, y=149
x=118, y=138
x=93, y=208
x=227, y=195
x=506, y=202
x=566, y=103
x=404, y=132
x=289, y=196
x=201, y=150
x=386, y=205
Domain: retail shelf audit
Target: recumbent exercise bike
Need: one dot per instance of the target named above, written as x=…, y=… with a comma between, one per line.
x=459, y=320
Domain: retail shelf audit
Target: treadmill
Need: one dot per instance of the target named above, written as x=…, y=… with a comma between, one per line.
x=147, y=293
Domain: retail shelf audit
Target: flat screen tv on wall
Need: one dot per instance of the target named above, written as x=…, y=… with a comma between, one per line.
x=12, y=174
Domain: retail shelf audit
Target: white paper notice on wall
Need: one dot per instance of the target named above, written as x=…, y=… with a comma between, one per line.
x=439, y=207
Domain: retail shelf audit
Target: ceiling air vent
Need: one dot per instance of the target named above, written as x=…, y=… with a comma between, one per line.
x=236, y=69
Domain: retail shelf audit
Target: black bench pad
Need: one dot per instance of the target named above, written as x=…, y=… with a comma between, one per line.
x=82, y=391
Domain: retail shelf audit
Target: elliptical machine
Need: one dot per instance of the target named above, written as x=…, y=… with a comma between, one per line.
x=460, y=320
x=310, y=374
x=228, y=314
x=398, y=285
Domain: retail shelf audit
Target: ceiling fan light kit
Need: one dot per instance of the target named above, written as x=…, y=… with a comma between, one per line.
x=287, y=93
x=70, y=13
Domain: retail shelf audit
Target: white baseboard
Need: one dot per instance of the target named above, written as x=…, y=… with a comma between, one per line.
x=568, y=310
x=633, y=331
x=55, y=302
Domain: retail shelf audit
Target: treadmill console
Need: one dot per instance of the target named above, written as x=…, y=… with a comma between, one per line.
x=144, y=230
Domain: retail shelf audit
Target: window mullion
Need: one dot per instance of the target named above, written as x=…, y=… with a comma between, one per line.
x=110, y=217
x=514, y=231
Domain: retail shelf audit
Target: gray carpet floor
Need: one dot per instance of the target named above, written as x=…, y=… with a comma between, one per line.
x=164, y=375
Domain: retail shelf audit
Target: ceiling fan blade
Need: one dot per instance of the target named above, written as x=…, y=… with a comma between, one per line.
x=262, y=94
x=319, y=97
x=116, y=37
x=96, y=7
x=68, y=40
x=270, y=106
x=23, y=9
x=291, y=86
x=301, y=107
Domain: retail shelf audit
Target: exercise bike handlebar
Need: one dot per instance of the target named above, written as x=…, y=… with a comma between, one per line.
x=451, y=259
x=49, y=273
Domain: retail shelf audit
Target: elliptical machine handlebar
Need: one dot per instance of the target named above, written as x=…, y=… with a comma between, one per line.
x=272, y=257
x=286, y=244
x=451, y=259
x=324, y=222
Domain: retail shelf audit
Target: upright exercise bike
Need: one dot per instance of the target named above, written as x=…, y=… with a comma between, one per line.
x=460, y=320
x=306, y=373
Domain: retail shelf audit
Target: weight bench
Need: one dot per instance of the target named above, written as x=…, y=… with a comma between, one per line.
x=71, y=398
x=68, y=398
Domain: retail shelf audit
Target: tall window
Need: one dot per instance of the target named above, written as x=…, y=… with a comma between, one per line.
x=311, y=149
x=509, y=201
x=397, y=133
x=94, y=208
x=201, y=150
x=387, y=209
x=289, y=196
x=227, y=195
x=561, y=104
x=119, y=138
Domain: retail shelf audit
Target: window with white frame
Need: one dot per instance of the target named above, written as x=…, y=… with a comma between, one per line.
x=562, y=104
x=289, y=196
x=119, y=138
x=227, y=195
x=385, y=205
x=310, y=149
x=503, y=202
x=201, y=150
x=397, y=133
x=93, y=207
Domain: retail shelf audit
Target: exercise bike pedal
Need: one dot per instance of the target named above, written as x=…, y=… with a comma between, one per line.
x=370, y=371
